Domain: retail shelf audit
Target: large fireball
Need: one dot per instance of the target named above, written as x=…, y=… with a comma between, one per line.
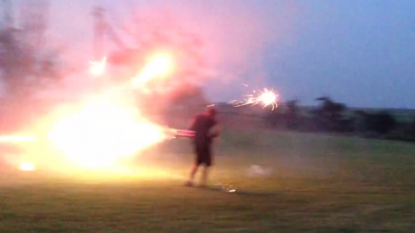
x=100, y=134
x=27, y=167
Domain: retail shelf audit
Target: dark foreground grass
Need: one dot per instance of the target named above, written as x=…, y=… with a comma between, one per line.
x=317, y=184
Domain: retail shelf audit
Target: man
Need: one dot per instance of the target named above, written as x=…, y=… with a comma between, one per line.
x=205, y=128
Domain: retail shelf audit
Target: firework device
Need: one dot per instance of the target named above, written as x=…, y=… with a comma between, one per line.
x=179, y=133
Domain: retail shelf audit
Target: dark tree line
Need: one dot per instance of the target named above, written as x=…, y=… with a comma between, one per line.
x=333, y=117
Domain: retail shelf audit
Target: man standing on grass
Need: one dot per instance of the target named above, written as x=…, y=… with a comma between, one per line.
x=205, y=128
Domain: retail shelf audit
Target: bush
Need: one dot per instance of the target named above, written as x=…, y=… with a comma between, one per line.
x=381, y=123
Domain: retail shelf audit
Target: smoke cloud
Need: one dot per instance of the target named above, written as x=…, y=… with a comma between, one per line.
x=234, y=37
x=231, y=38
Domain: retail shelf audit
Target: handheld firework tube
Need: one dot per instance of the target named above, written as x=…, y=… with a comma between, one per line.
x=184, y=133
x=180, y=133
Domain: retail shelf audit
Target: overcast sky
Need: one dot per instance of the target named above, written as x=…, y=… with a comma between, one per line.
x=360, y=52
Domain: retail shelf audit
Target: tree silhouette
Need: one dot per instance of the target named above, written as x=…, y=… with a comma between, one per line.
x=292, y=114
x=276, y=117
x=382, y=122
x=329, y=114
x=412, y=126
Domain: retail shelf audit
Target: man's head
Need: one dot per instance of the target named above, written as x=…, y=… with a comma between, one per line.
x=211, y=112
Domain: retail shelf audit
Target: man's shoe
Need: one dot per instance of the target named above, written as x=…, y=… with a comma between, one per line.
x=189, y=184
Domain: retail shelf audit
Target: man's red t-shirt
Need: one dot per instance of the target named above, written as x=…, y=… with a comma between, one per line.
x=202, y=125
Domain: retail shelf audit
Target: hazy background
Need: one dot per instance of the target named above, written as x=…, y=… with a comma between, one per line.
x=358, y=52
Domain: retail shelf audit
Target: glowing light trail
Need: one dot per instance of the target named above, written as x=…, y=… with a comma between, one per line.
x=158, y=66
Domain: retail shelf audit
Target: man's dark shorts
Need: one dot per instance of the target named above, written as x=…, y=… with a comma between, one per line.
x=203, y=154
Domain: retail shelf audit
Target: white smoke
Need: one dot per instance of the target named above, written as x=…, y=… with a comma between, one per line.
x=258, y=171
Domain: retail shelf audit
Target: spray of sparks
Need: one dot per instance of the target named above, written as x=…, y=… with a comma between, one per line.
x=266, y=98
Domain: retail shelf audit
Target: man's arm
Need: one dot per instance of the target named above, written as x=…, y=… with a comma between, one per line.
x=215, y=131
x=192, y=125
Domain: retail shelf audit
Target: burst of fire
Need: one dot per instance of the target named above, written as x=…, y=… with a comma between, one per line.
x=102, y=133
x=265, y=98
x=27, y=166
x=98, y=68
x=159, y=66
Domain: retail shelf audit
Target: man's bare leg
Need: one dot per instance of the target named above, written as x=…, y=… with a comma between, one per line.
x=205, y=175
x=192, y=175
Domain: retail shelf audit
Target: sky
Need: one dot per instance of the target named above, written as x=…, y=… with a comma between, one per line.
x=359, y=52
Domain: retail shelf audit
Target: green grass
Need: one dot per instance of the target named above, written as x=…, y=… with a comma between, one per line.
x=318, y=184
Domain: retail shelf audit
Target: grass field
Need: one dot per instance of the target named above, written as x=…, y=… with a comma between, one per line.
x=317, y=184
